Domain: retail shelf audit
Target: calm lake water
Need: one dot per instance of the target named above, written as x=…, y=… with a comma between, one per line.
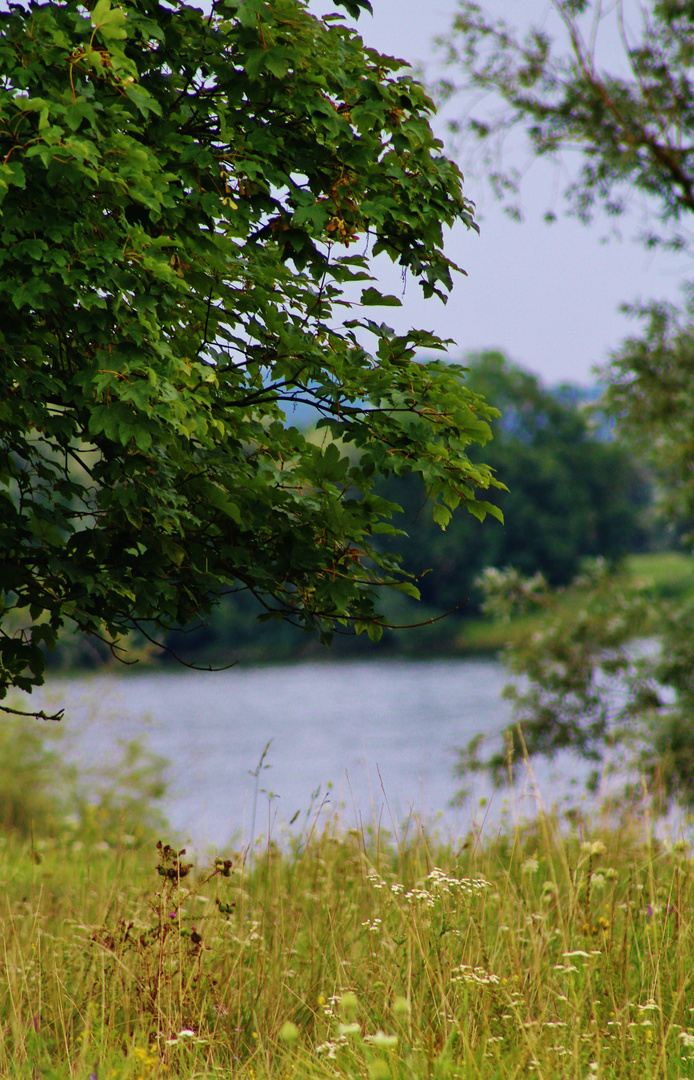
x=377, y=740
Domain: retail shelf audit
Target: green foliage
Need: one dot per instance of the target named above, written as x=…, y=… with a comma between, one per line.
x=46, y=793
x=651, y=392
x=34, y=779
x=572, y=495
x=583, y=684
x=179, y=196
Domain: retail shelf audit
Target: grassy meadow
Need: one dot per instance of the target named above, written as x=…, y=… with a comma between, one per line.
x=539, y=952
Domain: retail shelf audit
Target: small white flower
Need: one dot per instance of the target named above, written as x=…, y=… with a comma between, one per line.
x=381, y=1039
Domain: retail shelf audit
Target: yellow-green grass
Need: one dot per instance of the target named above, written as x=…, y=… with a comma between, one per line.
x=668, y=574
x=535, y=953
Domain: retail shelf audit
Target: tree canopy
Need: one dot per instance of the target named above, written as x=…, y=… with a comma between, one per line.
x=189, y=203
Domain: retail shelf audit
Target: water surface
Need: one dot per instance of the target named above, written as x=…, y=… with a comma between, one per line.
x=377, y=739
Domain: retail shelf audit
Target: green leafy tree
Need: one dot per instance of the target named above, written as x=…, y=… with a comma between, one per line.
x=187, y=203
x=633, y=131
x=631, y=128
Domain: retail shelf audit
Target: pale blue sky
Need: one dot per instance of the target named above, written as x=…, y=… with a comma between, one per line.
x=547, y=295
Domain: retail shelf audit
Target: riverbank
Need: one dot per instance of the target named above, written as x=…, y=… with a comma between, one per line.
x=668, y=575
x=357, y=954
x=238, y=639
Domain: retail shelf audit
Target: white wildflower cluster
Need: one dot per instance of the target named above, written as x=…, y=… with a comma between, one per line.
x=471, y=886
x=479, y=975
x=331, y=1047
x=376, y=880
x=185, y=1034
x=373, y=925
x=687, y=1039
x=420, y=895
x=331, y=1006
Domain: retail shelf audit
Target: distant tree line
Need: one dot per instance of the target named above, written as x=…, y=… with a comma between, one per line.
x=571, y=493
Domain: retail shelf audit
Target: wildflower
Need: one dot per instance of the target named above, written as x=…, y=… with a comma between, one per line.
x=530, y=866
x=382, y=1040
x=593, y=849
x=329, y=1048
x=465, y=973
x=687, y=1039
x=289, y=1032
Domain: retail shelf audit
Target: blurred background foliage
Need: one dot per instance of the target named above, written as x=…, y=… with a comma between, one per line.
x=46, y=791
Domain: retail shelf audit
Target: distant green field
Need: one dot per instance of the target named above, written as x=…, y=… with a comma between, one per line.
x=668, y=573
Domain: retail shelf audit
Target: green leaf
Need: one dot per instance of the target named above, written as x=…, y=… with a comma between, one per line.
x=441, y=515
x=373, y=298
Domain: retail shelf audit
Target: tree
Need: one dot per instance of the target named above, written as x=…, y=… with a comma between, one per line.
x=187, y=204
x=634, y=133
x=631, y=131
